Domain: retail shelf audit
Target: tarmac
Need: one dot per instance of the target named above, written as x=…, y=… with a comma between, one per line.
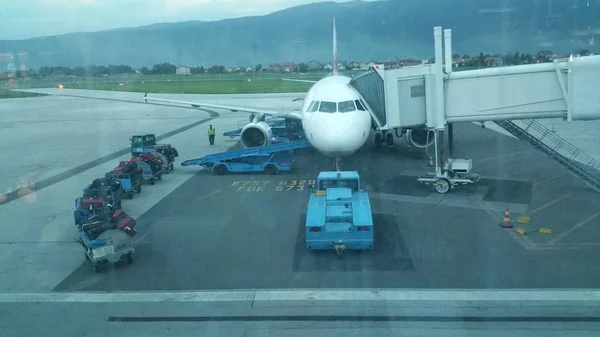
x=202, y=232
x=245, y=231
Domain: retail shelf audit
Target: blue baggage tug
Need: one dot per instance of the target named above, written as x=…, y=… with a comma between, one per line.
x=339, y=214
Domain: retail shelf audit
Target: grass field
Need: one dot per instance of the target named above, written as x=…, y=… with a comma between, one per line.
x=241, y=83
x=245, y=86
x=17, y=94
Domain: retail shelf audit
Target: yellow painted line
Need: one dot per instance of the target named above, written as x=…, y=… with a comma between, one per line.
x=546, y=180
x=572, y=229
x=550, y=203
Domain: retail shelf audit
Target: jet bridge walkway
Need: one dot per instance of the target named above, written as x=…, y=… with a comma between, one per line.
x=421, y=98
x=253, y=151
x=371, y=87
x=426, y=97
x=575, y=161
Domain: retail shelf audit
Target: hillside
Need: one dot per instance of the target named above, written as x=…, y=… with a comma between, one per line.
x=366, y=31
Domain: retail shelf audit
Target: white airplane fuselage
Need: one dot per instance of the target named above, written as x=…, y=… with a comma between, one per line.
x=337, y=132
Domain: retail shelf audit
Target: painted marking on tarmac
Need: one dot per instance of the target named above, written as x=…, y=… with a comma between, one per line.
x=574, y=228
x=583, y=296
x=295, y=185
x=280, y=186
x=250, y=185
x=550, y=203
x=501, y=159
x=208, y=195
x=541, y=163
x=535, y=184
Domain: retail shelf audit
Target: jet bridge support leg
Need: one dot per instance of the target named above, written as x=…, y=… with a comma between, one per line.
x=450, y=139
x=440, y=148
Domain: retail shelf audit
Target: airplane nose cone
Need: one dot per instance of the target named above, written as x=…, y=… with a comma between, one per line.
x=342, y=139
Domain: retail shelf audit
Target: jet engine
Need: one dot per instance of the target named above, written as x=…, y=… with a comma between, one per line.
x=418, y=138
x=256, y=134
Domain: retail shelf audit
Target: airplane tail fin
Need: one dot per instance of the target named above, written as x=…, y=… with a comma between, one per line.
x=335, y=59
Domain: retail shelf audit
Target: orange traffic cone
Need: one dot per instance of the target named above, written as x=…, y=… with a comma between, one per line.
x=506, y=222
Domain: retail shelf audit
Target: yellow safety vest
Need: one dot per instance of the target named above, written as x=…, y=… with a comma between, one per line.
x=211, y=132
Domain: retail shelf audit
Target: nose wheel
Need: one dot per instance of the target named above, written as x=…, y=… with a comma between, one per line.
x=338, y=164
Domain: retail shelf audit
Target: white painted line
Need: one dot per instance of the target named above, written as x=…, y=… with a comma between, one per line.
x=504, y=295
x=572, y=229
x=547, y=179
x=459, y=201
x=550, y=203
x=501, y=159
x=541, y=163
x=93, y=297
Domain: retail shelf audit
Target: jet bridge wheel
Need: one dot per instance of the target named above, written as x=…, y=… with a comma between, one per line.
x=442, y=185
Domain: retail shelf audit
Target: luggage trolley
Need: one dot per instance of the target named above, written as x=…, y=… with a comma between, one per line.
x=111, y=246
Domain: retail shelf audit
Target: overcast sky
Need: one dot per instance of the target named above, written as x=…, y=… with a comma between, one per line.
x=21, y=19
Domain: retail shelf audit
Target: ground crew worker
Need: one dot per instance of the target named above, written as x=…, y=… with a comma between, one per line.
x=211, y=135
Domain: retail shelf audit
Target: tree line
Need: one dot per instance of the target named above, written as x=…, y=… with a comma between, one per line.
x=481, y=60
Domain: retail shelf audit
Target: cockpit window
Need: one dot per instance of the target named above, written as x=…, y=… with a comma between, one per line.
x=346, y=106
x=360, y=106
x=328, y=107
x=314, y=107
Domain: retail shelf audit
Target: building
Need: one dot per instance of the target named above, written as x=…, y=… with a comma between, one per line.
x=288, y=66
x=314, y=65
x=183, y=71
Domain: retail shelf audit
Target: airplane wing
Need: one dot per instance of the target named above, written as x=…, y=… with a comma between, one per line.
x=258, y=111
x=295, y=80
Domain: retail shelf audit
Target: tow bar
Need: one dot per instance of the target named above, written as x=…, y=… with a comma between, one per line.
x=339, y=247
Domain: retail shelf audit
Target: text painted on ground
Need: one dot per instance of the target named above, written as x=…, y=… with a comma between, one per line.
x=278, y=186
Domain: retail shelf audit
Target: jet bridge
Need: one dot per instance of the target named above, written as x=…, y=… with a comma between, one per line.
x=430, y=97
x=410, y=97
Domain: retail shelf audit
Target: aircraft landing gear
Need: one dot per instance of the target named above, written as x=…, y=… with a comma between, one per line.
x=389, y=139
x=384, y=137
x=338, y=164
x=378, y=140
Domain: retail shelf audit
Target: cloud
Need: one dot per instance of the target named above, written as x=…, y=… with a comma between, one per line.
x=66, y=2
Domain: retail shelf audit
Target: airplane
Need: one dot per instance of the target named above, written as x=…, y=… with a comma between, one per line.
x=335, y=119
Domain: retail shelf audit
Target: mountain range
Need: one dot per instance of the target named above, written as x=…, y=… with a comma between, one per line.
x=367, y=31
